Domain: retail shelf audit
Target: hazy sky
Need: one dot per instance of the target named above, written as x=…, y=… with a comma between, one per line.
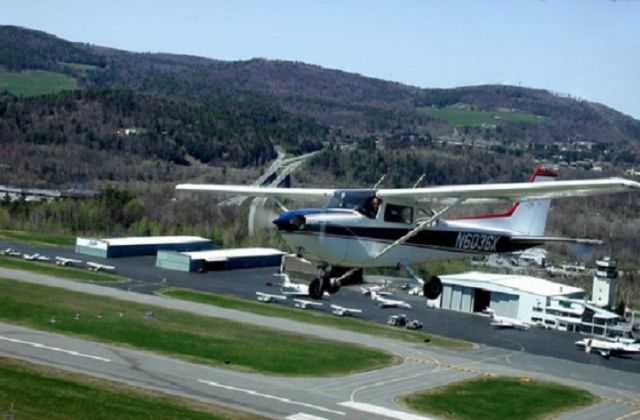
x=585, y=48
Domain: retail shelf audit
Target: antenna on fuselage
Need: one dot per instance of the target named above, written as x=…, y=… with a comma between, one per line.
x=419, y=181
x=375, y=187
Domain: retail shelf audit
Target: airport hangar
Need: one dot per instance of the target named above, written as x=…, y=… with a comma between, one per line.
x=141, y=245
x=223, y=259
x=529, y=299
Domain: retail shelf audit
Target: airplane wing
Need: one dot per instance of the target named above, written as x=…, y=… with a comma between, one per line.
x=517, y=191
x=284, y=193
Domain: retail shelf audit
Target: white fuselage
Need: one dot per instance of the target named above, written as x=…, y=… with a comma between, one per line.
x=352, y=240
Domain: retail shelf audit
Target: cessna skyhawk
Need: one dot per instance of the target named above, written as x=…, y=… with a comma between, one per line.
x=404, y=227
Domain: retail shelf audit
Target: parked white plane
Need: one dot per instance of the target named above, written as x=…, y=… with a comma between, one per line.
x=35, y=257
x=304, y=304
x=608, y=348
x=389, y=303
x=290, y=288
x=269, y=298
x=93, y=266
x=342, y=311
x=366, y=290
x=11, y=252
x=506, y=322
x=67, y=261
x=381, y=227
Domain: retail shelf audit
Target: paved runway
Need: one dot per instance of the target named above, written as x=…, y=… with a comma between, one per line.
x=363, y=395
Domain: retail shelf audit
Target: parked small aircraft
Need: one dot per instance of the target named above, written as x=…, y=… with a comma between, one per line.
x=506, y=322
x=607, y=348
x=389, y=303
x=366, y=290
x=304, y=304
x=94, y=266
x=342, y=311
x=67, y=261
x=269, y=298
x=289, y=288
x=403, y=227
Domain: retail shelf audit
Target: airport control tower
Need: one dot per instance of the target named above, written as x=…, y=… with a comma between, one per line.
x=604, y=283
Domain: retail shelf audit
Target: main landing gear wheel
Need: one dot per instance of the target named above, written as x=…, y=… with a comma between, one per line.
x=433, y=288
x=331, y=287
x=315, y=289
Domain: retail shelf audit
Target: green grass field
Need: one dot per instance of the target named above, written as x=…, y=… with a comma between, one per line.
x=78, y=66
x=462, y=117
x=314, y=317
x=35, y=82
x=201, y=339
x=48, y=268
x=499, y=398
x=29, y=391
x=37, y=238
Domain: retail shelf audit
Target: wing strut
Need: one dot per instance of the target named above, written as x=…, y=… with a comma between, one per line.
x=415, y=230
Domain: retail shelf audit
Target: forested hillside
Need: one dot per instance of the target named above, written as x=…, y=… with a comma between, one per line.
x=142, y=122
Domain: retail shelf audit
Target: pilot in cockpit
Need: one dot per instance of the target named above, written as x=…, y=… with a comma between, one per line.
x=371, y=208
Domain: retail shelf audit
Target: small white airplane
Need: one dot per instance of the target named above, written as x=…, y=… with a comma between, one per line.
x=304, y=304
x=607, y=348
x=291, y=288
x=366, y=290
x=360, y=228
x=389, y=303
x=342, y=311
x=67, y=261
x=11, y=252
x=94, y=266
x=506, y=322
x=416, y=291
x=269, y=298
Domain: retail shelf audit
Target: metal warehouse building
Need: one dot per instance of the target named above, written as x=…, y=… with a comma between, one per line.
x=513, y=296
x=224, y=259
x=135, y=246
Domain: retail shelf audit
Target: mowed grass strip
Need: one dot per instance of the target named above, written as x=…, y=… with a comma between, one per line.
x=49, y=268
x=201, y=339
x=35, y=82
x=29, y=391
x=465, y=117
x=37, y=238
x=499, y=398
x=314, y=317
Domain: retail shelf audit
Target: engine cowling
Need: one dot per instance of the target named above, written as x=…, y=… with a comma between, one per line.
x=433, y=288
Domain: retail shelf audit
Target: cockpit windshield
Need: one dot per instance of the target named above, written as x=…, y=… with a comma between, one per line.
x=362, y=201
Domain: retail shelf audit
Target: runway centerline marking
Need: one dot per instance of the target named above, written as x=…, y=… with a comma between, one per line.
x=43, y=346
x=271, y=397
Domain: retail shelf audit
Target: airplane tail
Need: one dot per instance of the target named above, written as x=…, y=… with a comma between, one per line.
x=528, y=218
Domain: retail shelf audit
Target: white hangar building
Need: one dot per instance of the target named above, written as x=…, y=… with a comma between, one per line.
x=513, y=296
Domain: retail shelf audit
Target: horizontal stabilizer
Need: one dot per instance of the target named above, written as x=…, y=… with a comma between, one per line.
x=539, y=239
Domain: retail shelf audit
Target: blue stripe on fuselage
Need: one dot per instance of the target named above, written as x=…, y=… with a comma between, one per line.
x=286, y=218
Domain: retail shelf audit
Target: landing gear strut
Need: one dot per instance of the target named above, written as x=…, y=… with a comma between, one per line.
x=325, y=283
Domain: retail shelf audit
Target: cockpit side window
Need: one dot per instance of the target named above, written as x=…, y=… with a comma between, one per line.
x=362, y=201
x=398, y=214
x=371, y=207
